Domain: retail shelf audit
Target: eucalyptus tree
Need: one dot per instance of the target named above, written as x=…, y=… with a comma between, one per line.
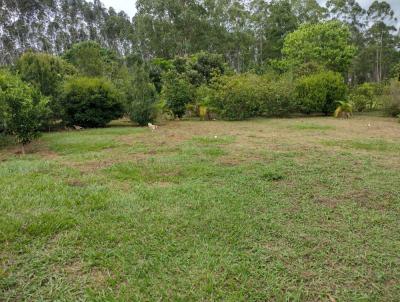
x=380, y=36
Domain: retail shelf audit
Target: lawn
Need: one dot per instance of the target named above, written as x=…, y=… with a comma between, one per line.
x=302, y=209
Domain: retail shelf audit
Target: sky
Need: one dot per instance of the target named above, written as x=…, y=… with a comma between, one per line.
x=128, y=6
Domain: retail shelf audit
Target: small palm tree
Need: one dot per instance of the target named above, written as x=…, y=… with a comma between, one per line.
x=344, y=110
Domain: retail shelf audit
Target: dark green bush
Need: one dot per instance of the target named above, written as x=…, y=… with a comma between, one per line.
x=365, y=96
x=237, y=97
x=278, y=97
x=320, y=92
x=177, y=92
x=248, y=95
x=22, y=108
x=392, y=99
x=208, y=65
x=141, y=98
x=92, y=60
x=46, y=73
x=90, y=102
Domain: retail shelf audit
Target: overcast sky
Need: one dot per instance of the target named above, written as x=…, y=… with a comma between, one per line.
x=129, y=5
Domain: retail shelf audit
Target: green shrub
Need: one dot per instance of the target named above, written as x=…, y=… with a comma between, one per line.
x=92, y=60
x=365, y=96
x=141, y=98
x=177, y=92
x=277, y=97
x=237, y=97
x=90, y=102
x=22, y=108
x=46, y=73
x=320, y=92
x=248, y=95
x=392, y=99
x=208, y=66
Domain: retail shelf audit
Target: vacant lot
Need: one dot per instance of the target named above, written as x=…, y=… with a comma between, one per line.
x=263, y=210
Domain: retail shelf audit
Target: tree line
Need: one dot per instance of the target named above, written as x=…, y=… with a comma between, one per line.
x=249, y=34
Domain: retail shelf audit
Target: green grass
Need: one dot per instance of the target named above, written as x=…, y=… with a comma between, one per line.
x=124, y=214
x=311, y=126
x=379, y=145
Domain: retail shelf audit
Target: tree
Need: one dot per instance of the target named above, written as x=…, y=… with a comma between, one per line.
x=379, y=35
x=320, y=92
x=47, y=73
x=90, y=102
x=177, y=92
x=141, y=97
x=93, y=60
x=326, y=44
x=23, y=108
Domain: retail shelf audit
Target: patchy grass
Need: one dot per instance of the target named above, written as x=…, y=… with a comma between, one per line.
x=311, y=126
x=367, y=145
x=211, y=211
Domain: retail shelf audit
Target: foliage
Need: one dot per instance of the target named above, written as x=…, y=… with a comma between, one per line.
x=237, y=97
x=208, y=66
x=344, y=110
x=45, y=72
x=326, y=44
x=90, y=102
x=248, y=95
x=177, y=92
x=141, y=98
x=392, y=99
x=22, y=108
x=318, y=93
x=278, y=97
x=158, y=67
x=365, y=96
x=93, y=60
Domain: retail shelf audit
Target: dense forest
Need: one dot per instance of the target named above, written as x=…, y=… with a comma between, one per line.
x=76, y=63
x=249, y=34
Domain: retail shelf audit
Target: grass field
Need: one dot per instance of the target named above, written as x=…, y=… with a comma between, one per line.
x=304, y=209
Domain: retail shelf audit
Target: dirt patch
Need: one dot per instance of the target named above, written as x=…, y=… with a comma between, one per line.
x=363, y=198
x=76, y=183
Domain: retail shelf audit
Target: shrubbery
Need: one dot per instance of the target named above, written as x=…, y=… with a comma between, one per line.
x=320, y=92
x=365, y=96
x=46, y=73
x=177, y=92
x=238, y=97
x=141, y=98
x=22, y=108
x=392, y=99
x=278, y=97
x=248, y=95
x=90, y=102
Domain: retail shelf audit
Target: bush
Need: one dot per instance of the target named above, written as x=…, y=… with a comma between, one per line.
x=46, y=73
x=208, y=66
x=141, y=98
x=237, y=97
x=248, y=95
x=278, y=97
x=22, y=108
x=92, y=60
x=392, y=99
x=90, y=102
x=177, y=92
x=320, y=92
x=364, y=96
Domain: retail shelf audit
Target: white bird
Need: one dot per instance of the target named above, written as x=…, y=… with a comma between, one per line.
x=152, y=127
